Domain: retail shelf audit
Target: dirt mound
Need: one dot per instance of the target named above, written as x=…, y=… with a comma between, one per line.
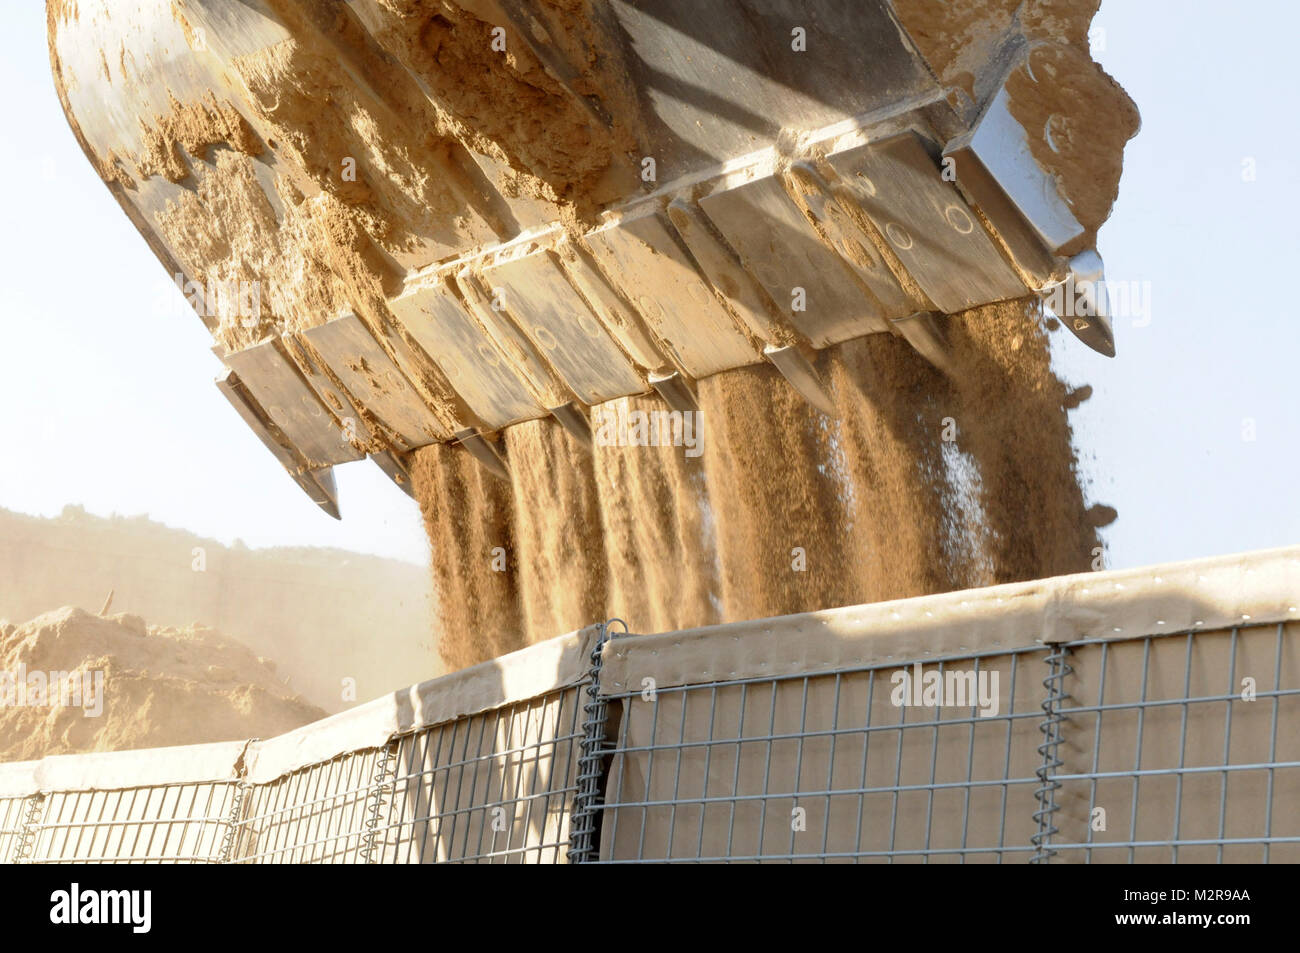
x=75, y=682
x=330, y=618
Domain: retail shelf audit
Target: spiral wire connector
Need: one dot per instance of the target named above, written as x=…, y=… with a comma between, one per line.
x=25, y=843
x=587, y=802
x=380, y=783
x=1052, y=729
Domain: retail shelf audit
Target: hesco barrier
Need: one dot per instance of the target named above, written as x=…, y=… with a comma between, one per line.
x=1136, y=716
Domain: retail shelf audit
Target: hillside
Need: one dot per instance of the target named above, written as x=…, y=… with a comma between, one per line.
x=75, y=682
x=323, y=614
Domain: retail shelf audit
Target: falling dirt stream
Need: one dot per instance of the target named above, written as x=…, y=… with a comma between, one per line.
x=922, y=483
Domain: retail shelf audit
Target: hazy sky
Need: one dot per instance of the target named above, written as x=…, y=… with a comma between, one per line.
x=106, y=377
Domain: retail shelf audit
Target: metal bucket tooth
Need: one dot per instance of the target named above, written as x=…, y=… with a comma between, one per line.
x=694, y=328
x=474, y=363
x=559, y=325
x=619, y=320
x=301, y=415
x=320, y=486
x=485, y=452
x=357, y=360
x=676, y=392
x=922, y=331
x=924, y=222
x=813, y=287
x=802, y=376
x=1083, y=304
x=571, y=418
x=395, y=470
x=826, y=209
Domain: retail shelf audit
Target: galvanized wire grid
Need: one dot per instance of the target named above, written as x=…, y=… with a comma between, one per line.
x=494, y=788
x=719, y=771
x=815, y=768
x=1176, y=748
x=12, y=811
x=316, y=815
x=1222, y=781
x=175, y=823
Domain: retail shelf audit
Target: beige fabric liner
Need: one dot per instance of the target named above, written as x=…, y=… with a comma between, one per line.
x=1176, y=670
x=1256, y=591
x=738, y=766
x=515, y=677
x=681, y=771
x=1201, y=594
x=112, y=770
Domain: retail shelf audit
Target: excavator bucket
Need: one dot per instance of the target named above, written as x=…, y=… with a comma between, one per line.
x=411, y=222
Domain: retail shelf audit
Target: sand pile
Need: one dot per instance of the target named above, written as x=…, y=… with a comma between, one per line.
x=74, y=682
x=343, y=627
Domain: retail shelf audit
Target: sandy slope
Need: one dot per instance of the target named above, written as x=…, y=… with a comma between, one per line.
x=160, y=686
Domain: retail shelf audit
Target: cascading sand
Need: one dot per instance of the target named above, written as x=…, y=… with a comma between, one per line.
x=660, y=557
x=467, y=514
x=1010, y=411
x=560, y=556
x=778, y=508
x=890, y=431
x=922, y=483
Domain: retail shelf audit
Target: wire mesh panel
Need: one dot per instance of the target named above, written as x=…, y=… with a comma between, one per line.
x=12, y=812
x=317, y=815
x=174, y=823
x=1183, y=748
x=835, y=738
x=493, y=788
x=865, y=764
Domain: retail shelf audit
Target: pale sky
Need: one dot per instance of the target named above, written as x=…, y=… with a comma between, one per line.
x=110, y=401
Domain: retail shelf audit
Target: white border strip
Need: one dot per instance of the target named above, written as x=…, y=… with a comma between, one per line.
x=1206, y=594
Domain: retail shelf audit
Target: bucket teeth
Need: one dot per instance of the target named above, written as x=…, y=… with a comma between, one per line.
x=395, y=470
x=317, y=484
x=676, y=391
x=1088, y=304
x=571, y=418
x=485, y=452
x=718, y=261
x=922, y=331
x=802, y=376
x=320, y=486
